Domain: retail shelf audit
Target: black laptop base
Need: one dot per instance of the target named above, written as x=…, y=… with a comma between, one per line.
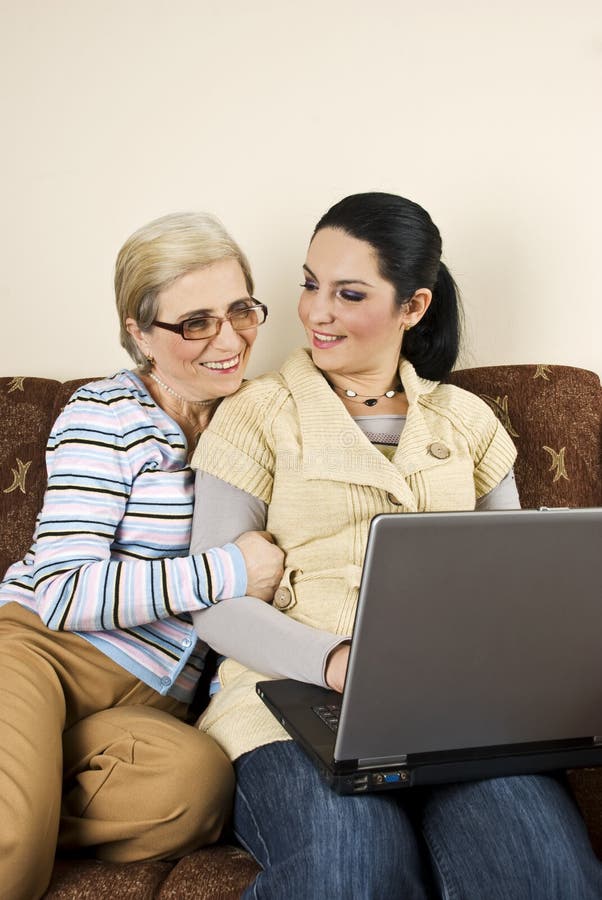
x=417, y=774
x=351, y=777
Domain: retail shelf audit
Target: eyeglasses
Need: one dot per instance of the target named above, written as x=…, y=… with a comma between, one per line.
x=198, y=328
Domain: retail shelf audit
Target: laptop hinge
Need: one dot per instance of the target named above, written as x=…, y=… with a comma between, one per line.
x=398, y=761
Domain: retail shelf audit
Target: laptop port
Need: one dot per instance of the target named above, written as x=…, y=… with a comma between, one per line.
x=395, y=777
x=360, y=783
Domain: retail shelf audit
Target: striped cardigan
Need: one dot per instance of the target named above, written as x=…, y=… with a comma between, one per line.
x=109, y=558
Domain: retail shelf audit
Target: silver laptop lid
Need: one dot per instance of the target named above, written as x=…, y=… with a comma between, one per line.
x=475, y=629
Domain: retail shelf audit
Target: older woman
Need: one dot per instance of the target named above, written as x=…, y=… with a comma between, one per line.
x=98, y=655
x=341, y=434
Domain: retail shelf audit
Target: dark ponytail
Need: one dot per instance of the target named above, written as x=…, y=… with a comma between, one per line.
x=432, y=345
x=408, y=247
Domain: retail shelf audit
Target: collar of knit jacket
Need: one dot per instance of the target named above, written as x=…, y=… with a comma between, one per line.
x=328, y=431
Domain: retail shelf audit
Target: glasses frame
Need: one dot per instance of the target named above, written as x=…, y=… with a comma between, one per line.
x=219, y=320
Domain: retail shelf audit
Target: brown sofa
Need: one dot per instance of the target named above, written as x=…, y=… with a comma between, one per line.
x=554, y=414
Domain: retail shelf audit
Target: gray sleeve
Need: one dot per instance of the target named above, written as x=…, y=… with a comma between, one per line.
x=265, y=640
x=245, y=628
x=503, y=496
x=232, y=512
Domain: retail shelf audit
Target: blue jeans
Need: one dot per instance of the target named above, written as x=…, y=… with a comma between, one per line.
x=519, y=838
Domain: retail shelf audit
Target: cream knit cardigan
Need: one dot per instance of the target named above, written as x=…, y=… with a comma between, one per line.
x=287, y=439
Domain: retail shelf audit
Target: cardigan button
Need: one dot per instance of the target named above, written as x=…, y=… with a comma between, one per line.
x=283, y=598
x=393, y=501
x=439, y=450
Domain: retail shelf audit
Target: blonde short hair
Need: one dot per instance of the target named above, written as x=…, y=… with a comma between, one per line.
x=158, y=253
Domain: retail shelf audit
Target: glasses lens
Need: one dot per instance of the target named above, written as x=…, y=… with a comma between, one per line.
x=208, y=326
x=250, y=317
x=197, y=329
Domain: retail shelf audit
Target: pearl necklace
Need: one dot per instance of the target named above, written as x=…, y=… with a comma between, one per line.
x=368, y=401
x=171, y=391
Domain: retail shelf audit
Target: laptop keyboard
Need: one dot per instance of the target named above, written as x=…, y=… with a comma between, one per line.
x=329, y=714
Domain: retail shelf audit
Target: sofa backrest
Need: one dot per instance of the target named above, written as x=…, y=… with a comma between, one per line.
x=554, y=414
x=28, y=408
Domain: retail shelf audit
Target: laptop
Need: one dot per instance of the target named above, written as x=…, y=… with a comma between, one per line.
x=476, y=652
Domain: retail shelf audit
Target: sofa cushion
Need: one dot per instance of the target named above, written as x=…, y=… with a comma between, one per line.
x=26, y=414
x=220, y=871
x=554, y=416
x=90, y=879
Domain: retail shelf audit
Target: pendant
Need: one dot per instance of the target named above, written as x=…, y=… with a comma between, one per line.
x=371, y=401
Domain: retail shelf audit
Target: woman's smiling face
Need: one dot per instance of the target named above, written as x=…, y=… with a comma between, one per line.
x=349, y=313
x=207, y=368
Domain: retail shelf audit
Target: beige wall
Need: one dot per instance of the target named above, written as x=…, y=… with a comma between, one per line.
x=116, y=111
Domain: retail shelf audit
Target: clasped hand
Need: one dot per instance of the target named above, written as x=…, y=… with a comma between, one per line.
x=264, y=562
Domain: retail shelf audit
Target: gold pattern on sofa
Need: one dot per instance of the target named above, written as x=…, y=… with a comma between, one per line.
x=499, y=405
x=558, y=464
x=19, y=474
x=16, y=384
x=541, y=372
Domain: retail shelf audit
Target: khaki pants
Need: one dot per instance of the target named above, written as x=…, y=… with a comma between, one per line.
x=93, y=758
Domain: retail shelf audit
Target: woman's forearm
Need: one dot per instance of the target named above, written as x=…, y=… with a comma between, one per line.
x=266, y=640
x=245, y=628
x=85, y=575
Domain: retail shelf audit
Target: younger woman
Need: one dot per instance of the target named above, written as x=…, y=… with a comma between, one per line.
x=361, y=424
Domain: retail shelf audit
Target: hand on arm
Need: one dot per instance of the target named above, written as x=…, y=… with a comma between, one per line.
x=254, y=633
x=264, y=562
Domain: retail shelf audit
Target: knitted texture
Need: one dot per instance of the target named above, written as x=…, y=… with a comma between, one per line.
x=288, y=439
